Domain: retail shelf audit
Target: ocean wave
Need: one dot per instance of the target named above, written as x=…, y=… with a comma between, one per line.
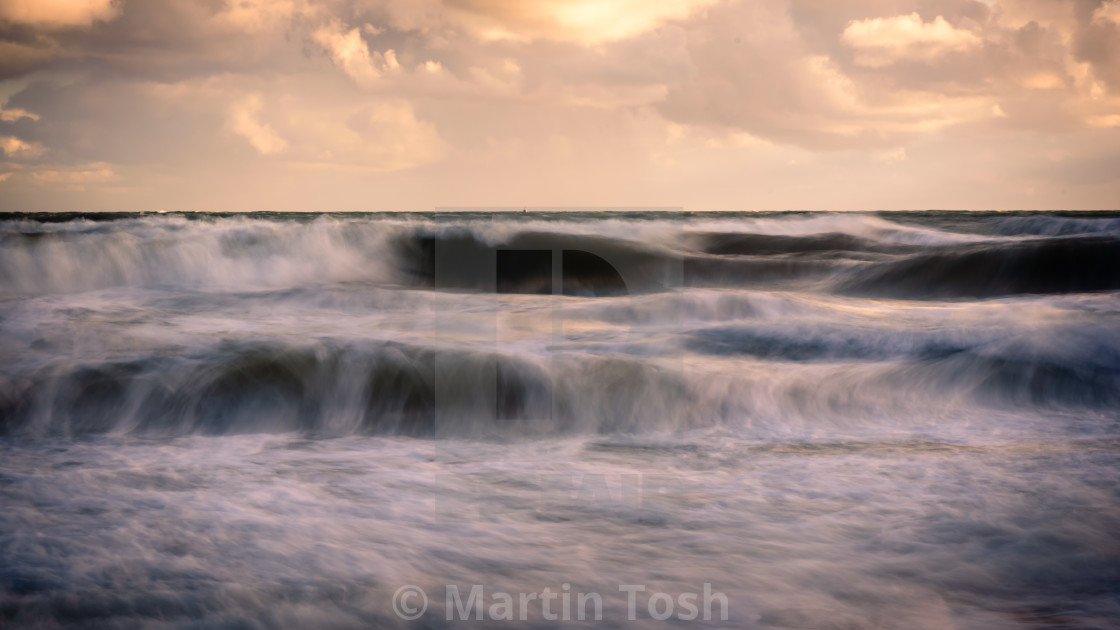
x=1046, y=225
x=860, y=254
x=334, y=389
x=329, y=325
x=1057, y=265
x=344, y=388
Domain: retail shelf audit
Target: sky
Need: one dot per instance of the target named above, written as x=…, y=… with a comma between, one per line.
x=333, y=105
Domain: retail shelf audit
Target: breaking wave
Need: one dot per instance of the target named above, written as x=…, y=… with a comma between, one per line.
x=426, y=325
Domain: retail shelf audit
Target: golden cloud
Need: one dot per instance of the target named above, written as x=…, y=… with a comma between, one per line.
x=883, y=41
x=58, y=13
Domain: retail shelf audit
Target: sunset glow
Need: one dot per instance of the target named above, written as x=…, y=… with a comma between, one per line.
x=705, y=104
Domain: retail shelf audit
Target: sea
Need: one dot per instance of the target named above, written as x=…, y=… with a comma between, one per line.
x=616, y=419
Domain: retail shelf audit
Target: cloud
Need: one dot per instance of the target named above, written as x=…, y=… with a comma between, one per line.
x=472, y=101
x=93, y=174
x=349, y=51
x=583, y=21
x=244, y=120
x=13, y=147
x=58, y=13
x=797, y=72
x=1097, y=42
x=892, y=157
x=57, y=176
x=20, y=57
x=382, y=136
x=883, y=41
x=1109, y=120
x=14, y=114
x=394, y=138
x=1109, y=11
x=755, y=71
x=259, y=15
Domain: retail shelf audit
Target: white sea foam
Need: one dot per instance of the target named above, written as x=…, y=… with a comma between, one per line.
x=281, y=421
